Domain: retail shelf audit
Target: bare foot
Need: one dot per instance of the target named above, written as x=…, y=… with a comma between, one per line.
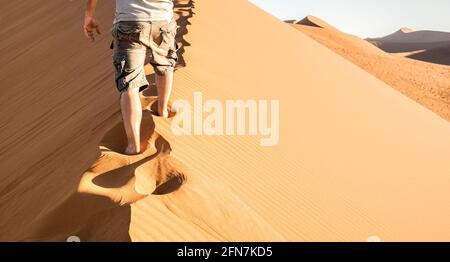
x=163, y=113
x=131, y=150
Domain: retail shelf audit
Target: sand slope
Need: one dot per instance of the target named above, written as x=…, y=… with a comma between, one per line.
x=426, y=83
x=355, y=159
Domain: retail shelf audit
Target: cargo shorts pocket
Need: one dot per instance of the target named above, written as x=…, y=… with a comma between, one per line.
x=129, y=74
x=120, y=74
x=172, y=54
x=168, y=33
x=127, y=31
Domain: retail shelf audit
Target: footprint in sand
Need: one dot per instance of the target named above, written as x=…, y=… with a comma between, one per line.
x=127, y=179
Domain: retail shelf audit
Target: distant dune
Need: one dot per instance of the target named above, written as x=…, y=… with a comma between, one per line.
x=356, y=159
x=290, y=21
x=426, y=83
x=406, y=30
x=320, y=28
x=406, y=35
x=316, y=22
x=407, y=40
x=440, y=55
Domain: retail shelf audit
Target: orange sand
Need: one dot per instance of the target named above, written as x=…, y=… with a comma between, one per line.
x=356, y=158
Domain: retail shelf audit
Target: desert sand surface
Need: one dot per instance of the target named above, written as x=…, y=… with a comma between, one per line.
x=426, y=83
x=356, y=159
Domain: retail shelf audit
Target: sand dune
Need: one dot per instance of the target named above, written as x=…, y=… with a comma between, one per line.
x=406, y=35
x=426, y=83
x=405, y=30
x=318, y=27
x=316, y=22
x=290, y=21
x=393, y=47
x=407, y=40
x=356, y=158
x=440, y=55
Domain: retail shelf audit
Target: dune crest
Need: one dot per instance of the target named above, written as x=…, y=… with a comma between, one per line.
x=314, y=21
x=406, y=30
x=318, y=27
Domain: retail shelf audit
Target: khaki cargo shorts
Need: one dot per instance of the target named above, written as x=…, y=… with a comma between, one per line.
x=132, y=40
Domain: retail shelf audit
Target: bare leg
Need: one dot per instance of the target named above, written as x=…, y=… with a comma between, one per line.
x=130, y=103
x=164, y=88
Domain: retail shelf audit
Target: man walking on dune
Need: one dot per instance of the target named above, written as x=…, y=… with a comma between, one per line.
x=139, y=26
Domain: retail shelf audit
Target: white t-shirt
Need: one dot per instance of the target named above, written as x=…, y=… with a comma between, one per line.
x=144, y=10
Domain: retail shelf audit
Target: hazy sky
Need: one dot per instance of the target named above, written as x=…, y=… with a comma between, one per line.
x=366, y=18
